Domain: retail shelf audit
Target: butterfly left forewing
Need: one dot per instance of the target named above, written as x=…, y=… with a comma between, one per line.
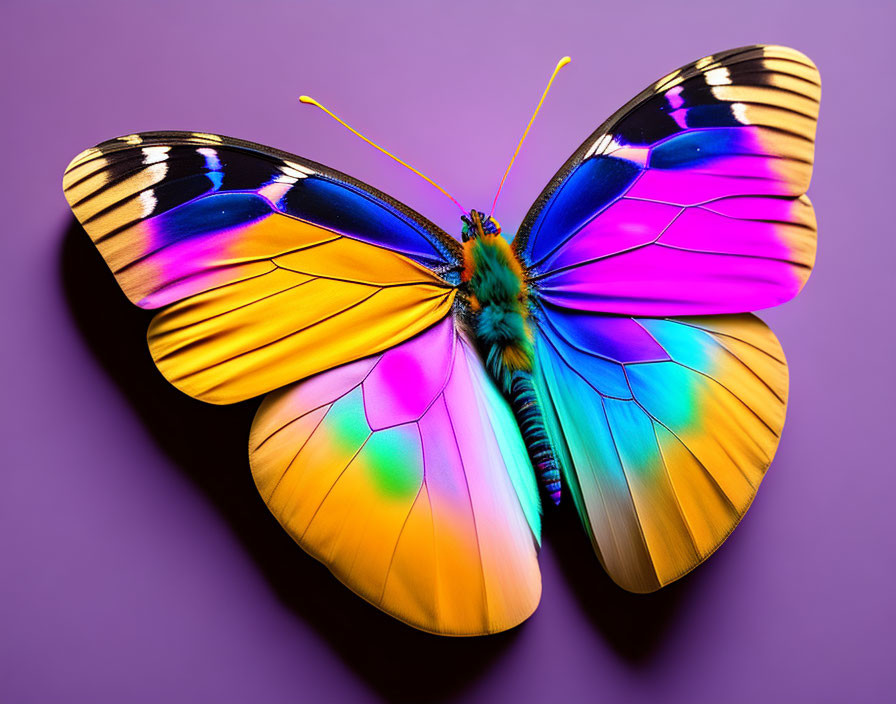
x=406, y=475
x=268, y=267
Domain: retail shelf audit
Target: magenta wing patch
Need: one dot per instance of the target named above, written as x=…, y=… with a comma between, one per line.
x=690, y=200
x=178, y=213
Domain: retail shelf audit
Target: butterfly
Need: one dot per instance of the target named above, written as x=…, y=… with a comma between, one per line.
x=420, y=386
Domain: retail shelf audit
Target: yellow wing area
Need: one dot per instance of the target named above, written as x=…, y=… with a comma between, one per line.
x=315, y=309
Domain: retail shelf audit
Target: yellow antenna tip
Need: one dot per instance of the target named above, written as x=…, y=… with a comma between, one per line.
x=308, y=100
x=560, y=64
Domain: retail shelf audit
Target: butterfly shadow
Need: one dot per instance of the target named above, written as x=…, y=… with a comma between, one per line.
x=208, y=444
x=636, y=626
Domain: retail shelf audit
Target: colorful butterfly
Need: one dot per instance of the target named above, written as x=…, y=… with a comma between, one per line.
x=415, y=380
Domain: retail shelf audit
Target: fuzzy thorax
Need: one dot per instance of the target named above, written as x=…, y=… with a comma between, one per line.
x=497, y=294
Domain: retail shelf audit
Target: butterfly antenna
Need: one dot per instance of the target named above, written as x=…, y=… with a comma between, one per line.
x=311, y=101
x=560, y=64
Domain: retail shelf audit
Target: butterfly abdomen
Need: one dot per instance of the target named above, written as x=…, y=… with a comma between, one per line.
x=498, y=301
x=528, y=416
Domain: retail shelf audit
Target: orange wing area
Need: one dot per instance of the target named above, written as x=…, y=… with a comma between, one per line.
x=313, y=310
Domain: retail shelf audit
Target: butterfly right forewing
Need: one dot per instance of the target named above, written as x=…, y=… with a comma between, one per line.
x=691, y=199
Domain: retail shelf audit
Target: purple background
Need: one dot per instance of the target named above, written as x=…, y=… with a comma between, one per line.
x=138, y=562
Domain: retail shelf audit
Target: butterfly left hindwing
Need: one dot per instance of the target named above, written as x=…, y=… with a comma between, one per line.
x=405, y=473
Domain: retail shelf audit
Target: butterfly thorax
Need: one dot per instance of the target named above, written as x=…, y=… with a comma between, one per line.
x=496, y=291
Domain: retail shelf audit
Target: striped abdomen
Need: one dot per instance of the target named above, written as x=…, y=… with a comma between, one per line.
x=528, y=416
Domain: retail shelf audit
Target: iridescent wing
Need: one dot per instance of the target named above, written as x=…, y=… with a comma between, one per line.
x=689, y=201
x=272, y=267
x=402, y=470
x=663, y=429
x=406, y=475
